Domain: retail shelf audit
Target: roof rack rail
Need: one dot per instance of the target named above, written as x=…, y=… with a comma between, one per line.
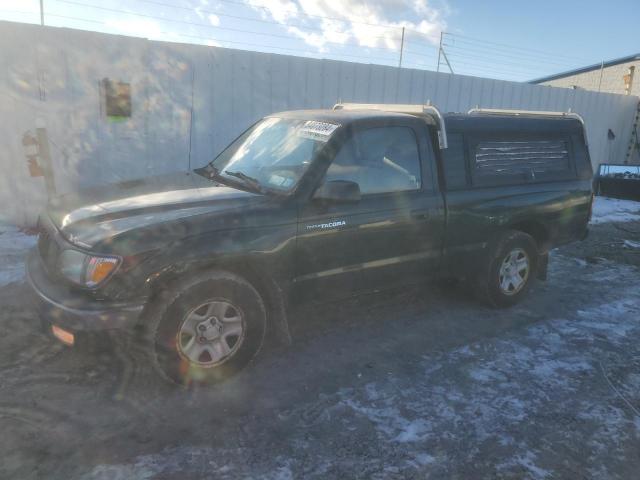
x=411, y=109
x=541, y=113
x=501, y=111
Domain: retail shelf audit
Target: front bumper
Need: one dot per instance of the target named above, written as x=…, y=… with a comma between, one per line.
x=74, y=311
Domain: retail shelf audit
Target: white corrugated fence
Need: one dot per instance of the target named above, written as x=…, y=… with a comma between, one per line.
x=189, y=101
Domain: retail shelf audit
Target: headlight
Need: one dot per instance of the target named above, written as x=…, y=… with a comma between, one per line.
x=86, y=270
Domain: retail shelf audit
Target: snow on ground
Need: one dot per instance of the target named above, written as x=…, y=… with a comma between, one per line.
x=614, y=210
x=631, y=244
x=532, y=403
x=556, y=398
x=13, y=247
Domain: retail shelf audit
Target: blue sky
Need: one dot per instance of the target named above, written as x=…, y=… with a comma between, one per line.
x=511, y=40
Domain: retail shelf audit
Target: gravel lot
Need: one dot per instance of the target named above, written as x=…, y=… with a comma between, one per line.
x=416, y=383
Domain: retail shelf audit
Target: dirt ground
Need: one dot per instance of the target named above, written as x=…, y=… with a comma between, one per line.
x=416, y=383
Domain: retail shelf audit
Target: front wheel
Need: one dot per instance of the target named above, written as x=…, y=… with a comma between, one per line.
x=509, y=269
x=206, y=329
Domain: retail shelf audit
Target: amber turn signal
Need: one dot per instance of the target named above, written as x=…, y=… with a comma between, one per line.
x=99, y=268
x=65, y=337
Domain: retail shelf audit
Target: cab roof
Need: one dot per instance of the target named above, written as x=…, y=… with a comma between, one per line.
x=340, y=116
x=454, y=122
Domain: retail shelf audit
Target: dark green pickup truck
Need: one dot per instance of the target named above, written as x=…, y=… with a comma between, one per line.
x=311, y=204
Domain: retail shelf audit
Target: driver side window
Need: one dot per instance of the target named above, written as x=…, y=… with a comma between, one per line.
x=379, y=160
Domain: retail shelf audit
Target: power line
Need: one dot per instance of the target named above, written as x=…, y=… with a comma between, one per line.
x=261, y=20
x=21, y=12
x=396, y=28
x=488, y=54
x=422, y=44
x=466, y=60
x=488, y=50
x=419, y=54
x=502, y=63
x=478, y=40
x=471, y=52
x=207, y=38
x=230, y=29
x=385, y=59
x=425, y=58
x=323, y=17
x=462, y=67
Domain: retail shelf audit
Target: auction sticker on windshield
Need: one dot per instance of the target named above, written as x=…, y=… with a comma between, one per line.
x=314, y=130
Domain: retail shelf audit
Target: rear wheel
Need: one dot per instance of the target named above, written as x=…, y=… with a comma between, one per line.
x=206, y=329
x=514, y=271
x=509, y=269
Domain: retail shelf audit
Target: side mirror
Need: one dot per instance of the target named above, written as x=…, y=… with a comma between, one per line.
x=338, y=191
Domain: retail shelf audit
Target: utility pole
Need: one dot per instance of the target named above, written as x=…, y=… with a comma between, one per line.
x=446, y=59
x=601, y=72
x=439, y=51
x=42, y=12
x=401, y=48
x=442, y=54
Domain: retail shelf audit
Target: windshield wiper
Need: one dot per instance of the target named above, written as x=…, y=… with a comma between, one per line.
x=208, y=171
x=250, y=181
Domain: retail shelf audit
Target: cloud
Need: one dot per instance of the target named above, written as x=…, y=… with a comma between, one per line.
x=368, y=24
x=199, y=9
x=214, y=20
x=136, y=27
x=279, y=10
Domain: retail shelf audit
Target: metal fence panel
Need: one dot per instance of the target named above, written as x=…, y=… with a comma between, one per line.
x=189, y=101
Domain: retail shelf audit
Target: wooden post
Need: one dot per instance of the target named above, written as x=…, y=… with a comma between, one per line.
x=401, y=48
x=45, y=159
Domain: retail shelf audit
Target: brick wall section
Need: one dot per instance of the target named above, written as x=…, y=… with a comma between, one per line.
x=612, y=79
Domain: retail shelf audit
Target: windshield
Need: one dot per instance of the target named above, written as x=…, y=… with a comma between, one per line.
x=274, y=153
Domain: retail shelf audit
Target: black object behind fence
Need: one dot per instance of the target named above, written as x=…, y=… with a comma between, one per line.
x=618, y=181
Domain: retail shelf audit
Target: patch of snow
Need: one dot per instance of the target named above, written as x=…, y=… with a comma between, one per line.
x=513, y=381
x=607, y=209
x=179, y=462
x=581, y=262
x=413, y=431
x=522, y=391
x=13, y=247
x=631, y=244
x=527, y=461
x=424, y=459
x=485, y=375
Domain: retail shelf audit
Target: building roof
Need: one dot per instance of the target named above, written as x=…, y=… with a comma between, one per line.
x=595, y=66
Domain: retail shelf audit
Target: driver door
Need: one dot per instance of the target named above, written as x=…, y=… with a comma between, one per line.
x=392, y=235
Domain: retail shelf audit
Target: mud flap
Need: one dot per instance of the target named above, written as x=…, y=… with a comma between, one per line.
x=542, y=266
x=278, y=317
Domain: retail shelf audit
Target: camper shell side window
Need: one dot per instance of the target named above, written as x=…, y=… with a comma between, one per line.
x=497, y=159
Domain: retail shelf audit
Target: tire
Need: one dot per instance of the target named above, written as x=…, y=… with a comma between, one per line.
x=206, y=329
x=508, y=270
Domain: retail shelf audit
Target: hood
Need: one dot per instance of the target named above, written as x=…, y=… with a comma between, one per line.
x=92, y=215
